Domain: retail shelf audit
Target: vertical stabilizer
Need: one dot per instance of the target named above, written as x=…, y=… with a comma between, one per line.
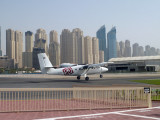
x=44, y=62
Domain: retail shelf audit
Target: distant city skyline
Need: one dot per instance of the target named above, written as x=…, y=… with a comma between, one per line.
x=137, y=21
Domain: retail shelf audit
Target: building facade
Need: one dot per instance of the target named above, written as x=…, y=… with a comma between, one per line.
x=35, y=61
x=67, y=47
x=95, y=48
x=122, y=48
x=27, y=55
x=111, y=43
x=88, y=50
x=101, y=35
x=79, y=45
x=101, y=56
x=135, y=50
x=41, y=40
x=127, y=50
x=0, y=43
x=54, y=48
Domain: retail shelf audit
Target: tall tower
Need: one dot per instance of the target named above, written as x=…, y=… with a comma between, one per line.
x=88, y=50
x=79, y=45
x=127, y=51
x=111, y=43
x=10, y=44
x=135, y=50
x=101, y=35
x=18, y=48
x=0, y=43
x=147, y=50
x=41, y=40
x=14, y=46
x=122, y=48
x=95, y=48
x=27, y=55
x=118, y=50
x=67, y=47
x=54, y=48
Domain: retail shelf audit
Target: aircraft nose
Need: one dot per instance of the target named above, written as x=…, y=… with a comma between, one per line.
x=105, y=69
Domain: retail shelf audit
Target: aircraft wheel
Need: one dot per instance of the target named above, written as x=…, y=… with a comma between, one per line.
x=87, y=78
x=78, y=77
x=101, y=76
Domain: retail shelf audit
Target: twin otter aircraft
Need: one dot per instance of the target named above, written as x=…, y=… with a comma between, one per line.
x=78, y=70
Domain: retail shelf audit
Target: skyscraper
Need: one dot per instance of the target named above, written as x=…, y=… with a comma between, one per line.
x=118, y=50
x=135, y=50
x=41, y=40
x=127, y=50
x=54, y=48
x=14, y=46
x=18, y=48
x=122, y=48
x=27, y=55
x=101, y=56
x=10, y=44
x=67, y=47
x=95, y=48
x=88, y=50
x=79, y=45
x=140, y=51
x=101, y=35
x=111, y=44
x=0, y=43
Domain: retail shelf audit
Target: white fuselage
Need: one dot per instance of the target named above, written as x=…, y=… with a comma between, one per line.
x=76, y=70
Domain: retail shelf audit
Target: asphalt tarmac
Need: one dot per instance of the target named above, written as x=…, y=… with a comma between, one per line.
x=52, y=81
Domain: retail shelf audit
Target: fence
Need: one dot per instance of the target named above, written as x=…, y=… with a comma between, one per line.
x=155, y=93
x=45, y=99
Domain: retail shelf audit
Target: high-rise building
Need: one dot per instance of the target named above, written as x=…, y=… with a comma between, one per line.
x=41, y=40
x=127, y=50
x=88, y=50
x=95, y=48
x=27, y=55
x=158, y=51
x=135, y=50
x=54, y=48
x=140, y=51
x=35, y=61
x=118, y=50
x=29, y=41
x=101, y=56
x=101, y=35
x=79, y=45
x=18, y=49
x=67, y=47
x=122, y=48
x=147, y=50
x=10, y=44
x=153, y=51
x=14, y=46
x=111, y=44
x=0, y=43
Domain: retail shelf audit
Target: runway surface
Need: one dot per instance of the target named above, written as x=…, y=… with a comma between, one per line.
x=52, y=81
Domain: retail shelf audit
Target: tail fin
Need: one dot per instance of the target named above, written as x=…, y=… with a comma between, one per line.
x=44, y=62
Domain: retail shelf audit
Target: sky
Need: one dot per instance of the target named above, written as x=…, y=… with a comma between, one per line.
x=135, y=20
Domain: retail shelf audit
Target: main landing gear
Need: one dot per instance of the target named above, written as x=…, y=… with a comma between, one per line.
x=101, y=76
x=86, y=78
x=78, y=77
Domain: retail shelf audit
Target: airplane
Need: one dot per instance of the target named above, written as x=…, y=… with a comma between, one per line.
x=75, y=70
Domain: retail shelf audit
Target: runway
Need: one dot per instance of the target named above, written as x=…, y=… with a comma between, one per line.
x=52, y=81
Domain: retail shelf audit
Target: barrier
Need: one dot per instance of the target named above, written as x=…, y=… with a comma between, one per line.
x=155, y=93
x=46, y=99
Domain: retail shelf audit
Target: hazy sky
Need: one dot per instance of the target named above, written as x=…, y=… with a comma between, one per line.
x=136, y=20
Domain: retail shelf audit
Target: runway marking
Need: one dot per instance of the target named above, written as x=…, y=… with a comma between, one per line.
x=140, y=116
x=99, y=114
